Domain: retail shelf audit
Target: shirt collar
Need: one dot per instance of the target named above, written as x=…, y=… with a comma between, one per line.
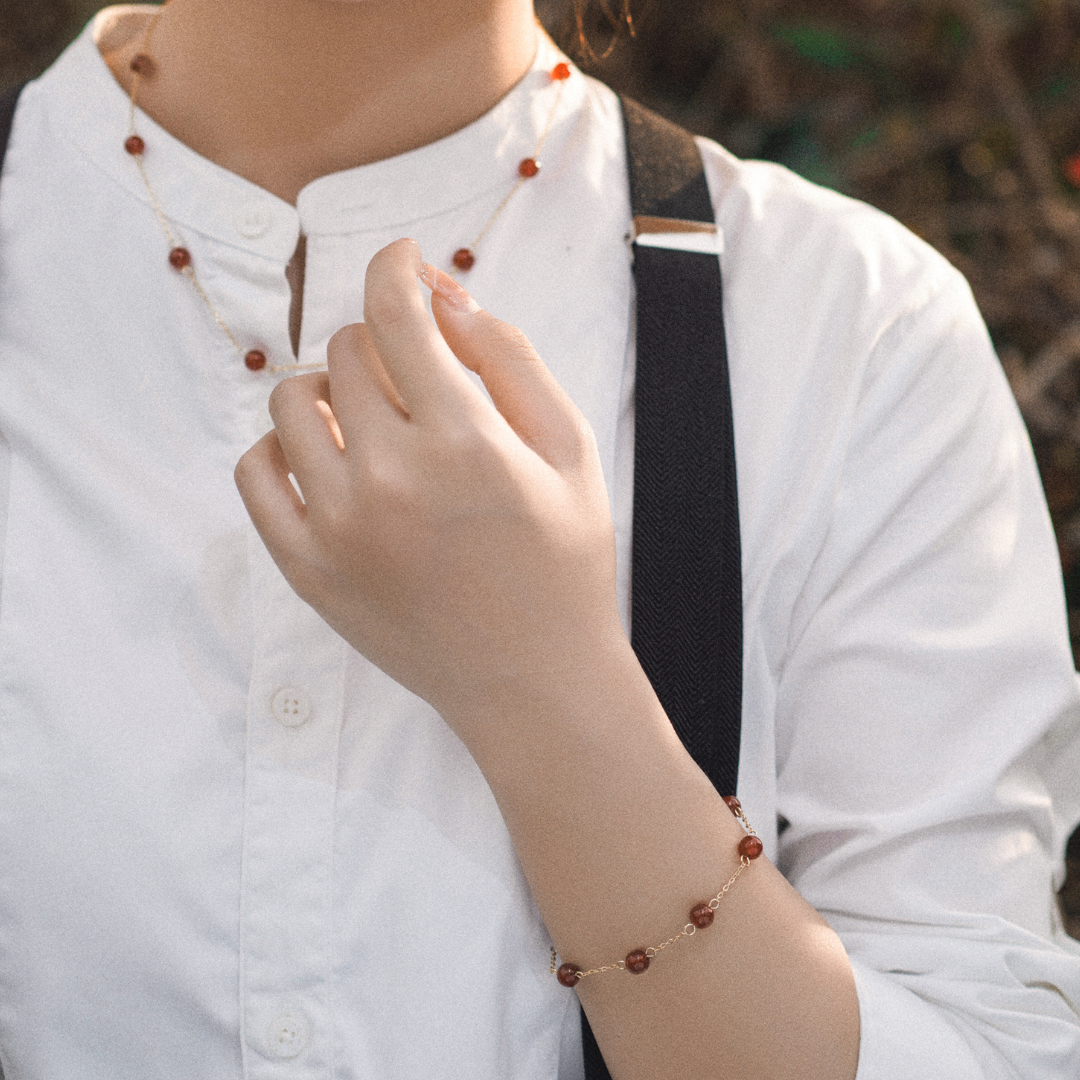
x=91, y=110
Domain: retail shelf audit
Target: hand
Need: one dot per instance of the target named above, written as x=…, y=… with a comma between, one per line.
x=464, y=547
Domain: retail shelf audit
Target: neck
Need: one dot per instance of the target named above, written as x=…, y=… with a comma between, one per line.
x=285, y=91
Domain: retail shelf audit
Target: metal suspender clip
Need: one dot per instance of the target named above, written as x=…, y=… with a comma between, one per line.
x=675, y=234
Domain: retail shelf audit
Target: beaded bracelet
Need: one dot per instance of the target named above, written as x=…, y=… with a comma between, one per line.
x=701, y=915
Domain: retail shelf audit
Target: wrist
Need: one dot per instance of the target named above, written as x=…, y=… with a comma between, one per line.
x=550, y=700
x=589, y=740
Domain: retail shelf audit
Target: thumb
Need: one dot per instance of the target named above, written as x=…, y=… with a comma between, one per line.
x=527, y=395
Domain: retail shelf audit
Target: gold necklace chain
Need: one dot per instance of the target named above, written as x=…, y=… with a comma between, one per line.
x=464, y=258
x=143, y=66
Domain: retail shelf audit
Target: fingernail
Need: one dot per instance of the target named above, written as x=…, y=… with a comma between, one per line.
x=443, y=285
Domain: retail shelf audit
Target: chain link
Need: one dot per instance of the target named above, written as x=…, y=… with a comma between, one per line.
x=689, y=930
x=188, y=271
x=453, y=271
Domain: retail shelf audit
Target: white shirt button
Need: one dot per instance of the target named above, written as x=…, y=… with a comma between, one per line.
x=252, y=220
x=287, y=1035
x=290, y=706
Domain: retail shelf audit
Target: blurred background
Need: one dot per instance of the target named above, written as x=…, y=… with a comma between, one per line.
x=959, y=117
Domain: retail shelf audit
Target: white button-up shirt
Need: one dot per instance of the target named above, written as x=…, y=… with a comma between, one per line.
x=230, y=846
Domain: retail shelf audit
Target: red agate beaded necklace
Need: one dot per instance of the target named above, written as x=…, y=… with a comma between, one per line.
x=143, y=66
x=465, y=258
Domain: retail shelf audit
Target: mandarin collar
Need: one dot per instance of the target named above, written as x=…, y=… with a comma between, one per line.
x=91, y=110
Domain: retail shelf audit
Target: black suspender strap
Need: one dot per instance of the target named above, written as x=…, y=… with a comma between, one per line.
x=686, y=608
x=686, y=612
x=8, y=100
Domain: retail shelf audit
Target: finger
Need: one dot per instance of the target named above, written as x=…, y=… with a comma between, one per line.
x=362, y=393
x=310, y=438
x=275, y=509
x=410, y=347
x=526, y=394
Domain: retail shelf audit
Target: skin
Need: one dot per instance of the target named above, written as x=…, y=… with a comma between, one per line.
x=282, y=92
x=467, y=548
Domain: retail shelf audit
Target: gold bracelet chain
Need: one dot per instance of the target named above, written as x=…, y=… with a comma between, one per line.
x=701, y=915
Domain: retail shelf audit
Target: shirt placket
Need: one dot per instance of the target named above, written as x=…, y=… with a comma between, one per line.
x=293, y=727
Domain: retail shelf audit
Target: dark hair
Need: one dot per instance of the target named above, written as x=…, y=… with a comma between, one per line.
x=588, y=23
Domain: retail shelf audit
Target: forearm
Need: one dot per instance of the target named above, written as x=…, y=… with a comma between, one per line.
x=620, y=835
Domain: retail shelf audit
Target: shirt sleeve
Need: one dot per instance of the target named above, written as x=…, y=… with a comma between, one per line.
x=926, y=716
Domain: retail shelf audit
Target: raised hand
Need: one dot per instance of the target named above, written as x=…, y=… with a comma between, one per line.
x=464, y=547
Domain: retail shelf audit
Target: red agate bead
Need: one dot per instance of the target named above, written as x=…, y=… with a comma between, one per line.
x=134, y=145
x=143, y=65
x=636, y=961
x=568, y=974
x=179, y=257
x=254, y=360
x=733, y=804
x=702, y=916
x=463, y=259
x=750, y=847
x=560, y=72
x=529, y=167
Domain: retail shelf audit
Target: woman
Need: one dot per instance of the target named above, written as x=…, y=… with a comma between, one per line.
x=239, y=842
